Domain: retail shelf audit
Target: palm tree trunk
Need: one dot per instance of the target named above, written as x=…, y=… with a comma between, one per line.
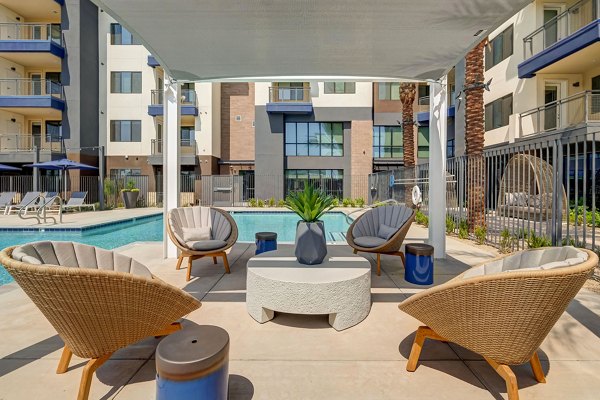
x=407, y=97
x=475, y=137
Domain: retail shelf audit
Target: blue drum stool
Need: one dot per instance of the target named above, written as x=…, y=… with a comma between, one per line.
x=193, y=364
x=419, y=264
x=265, y=241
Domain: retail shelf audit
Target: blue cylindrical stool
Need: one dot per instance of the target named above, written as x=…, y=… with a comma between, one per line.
x=265, y=241
x=419, y=264
x=193, y=364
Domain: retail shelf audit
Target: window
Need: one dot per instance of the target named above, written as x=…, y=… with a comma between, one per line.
x=188, y=135
x=125, y=131
x=126, y=82
x=121, y=36
x=389, y=91
x=340, y=87
x=291, y=91
x=387, y=142
x=423, y=92
x=423, y=142
x=188, y=93
x=450, y=148
x=53, y=130
x=497, y=112
x=122, y=172
x=331, y=181
x=314, y=139
x=595, y=97
x=499, y=48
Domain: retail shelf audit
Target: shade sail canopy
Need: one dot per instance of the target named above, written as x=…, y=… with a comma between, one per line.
x=225, y=39
x=63, y=165
x=8, y=168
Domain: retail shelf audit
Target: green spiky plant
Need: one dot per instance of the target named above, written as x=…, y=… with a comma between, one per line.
x=310, y=204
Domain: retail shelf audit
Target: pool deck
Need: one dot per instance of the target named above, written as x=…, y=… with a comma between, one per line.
x=302, y=357
x=79, y=219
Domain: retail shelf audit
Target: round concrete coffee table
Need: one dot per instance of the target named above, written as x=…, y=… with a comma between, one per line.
x=340, y=286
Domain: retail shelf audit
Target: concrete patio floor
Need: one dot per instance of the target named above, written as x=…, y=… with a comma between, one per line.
x=302, y=357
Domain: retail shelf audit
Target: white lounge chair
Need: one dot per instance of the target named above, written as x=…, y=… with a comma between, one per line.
x=77, y=201
x=6, y=200
x=27, y=203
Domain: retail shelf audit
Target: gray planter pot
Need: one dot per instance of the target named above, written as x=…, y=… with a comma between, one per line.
x=311, y=248
x=130, y=199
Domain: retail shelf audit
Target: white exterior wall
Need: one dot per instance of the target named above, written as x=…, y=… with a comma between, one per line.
x=261, y=93
x=208, y=122
x=363, y=97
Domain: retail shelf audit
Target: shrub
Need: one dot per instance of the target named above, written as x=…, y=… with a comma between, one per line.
x=352, y=203
x=260, y=203
x=310, y=204
x=506, y=241
x=272, y=202
x=463, y=229
x=281, y=203
x=480, y=233
x=336, y=202
x=421, y=218
x=346, y=202
x=534, y=241
x=360, y=202
x=252, y=202
x=450, y=225
x=130, y=187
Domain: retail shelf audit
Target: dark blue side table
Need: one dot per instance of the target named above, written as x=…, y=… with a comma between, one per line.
x=419, y=264
x=265, y=241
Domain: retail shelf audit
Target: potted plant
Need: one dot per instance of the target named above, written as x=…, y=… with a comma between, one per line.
x=130, y=194
x=310, y=204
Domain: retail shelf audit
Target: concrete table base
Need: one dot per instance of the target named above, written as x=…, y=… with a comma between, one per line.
x=340, y=287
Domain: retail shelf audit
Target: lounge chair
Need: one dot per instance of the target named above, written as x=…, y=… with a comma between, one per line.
x=381, y=230
x=77, y=201
x=27, y=203
x=6, y=199
x=201, y=232
x=503, y=309
x=97, y=300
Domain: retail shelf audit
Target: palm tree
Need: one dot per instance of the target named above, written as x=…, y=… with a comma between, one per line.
x=407, y=97
x=474, y=136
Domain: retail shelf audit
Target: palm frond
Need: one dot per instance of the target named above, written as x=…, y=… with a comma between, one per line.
x=310, y=204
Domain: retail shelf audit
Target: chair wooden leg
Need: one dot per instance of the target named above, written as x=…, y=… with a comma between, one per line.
x=424, y=332
x=226, y=263
x=355, y=251
x=189, y=269
x=536, y=366
x=179, y=261
x=87, y=375
x=401, y=254
x=65, y=359
x=509, y=377
x=214, y=260
x=378, y=264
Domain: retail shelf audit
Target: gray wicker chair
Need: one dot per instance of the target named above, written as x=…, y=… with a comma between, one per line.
x=502, y=309
x=223, y=234
x=97, y=300
x=363, y=234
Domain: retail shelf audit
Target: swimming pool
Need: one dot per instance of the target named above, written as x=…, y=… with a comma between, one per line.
x=150, y=228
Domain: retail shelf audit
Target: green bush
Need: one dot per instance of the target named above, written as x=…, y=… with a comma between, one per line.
x=261, y=203
x=506, y=241
x=346, y=202
x=360, y=202
x=480, y=233
x=590, y=218
x=450, y=225
x=272, y=202
x=336, y=202
x=534, y=241
x=130, y=187
x=463, y=229
x=281, y=203
x=252, y=202
x=421, y=218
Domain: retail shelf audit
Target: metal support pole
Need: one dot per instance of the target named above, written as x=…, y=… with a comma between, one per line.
x=171, y=162
x=101, y=177
x=36, y=159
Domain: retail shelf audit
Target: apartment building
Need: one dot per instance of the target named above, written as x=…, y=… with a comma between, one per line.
x=48, y=81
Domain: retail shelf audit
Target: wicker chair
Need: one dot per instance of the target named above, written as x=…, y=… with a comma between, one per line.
x=223, y=234
x=363, y=233
x=97, y=300
x=503, y=309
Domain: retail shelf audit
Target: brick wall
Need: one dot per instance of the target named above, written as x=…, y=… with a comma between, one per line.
x=237, y=137
x=361, y=142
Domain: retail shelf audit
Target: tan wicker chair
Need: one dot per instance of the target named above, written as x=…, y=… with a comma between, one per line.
x=501, y=312
x=362, y=234
x=224, y=234
x=98, y=301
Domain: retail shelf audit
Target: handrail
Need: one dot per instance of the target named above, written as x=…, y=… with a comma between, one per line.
x=560, y=101
x=554, y=20
x=41, y=211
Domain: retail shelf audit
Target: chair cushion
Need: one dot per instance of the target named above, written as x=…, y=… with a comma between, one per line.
x=369, y=241
x=196, y=234
x=386, y=232
x=198, y=217
x=206, y=245
x=394, y=216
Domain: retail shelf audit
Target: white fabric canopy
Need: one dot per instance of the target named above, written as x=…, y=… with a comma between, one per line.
x=224, y=39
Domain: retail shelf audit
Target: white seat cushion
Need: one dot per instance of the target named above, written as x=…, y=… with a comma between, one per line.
x=369, y=241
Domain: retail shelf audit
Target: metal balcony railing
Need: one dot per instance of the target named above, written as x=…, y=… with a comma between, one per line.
x=580, y=108
x=30, y=87
x=424, y=101
x=188, y=97
x=279, y=94
x=26, y=31
x=188, y=147
x=564, y=24
x=27, y=142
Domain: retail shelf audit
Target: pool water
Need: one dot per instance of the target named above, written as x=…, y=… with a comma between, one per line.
x=151, y=229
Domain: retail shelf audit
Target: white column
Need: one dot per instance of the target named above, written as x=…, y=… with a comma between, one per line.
x=438, y=127
x=170, y=148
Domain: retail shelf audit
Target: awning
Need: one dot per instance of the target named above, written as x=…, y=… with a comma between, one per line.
x=232, y=39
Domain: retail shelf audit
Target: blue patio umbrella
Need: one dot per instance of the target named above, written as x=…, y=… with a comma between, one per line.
x=8, y=168
x=62, y=165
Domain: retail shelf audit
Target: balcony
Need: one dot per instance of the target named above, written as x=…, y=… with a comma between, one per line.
x=575, y=111
x=32, y=45
x=570, y=32
x=187, y=152
x=28, y=96
x=21, y=147
x=153, y=62
x=289, y=100
x=188, y=103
